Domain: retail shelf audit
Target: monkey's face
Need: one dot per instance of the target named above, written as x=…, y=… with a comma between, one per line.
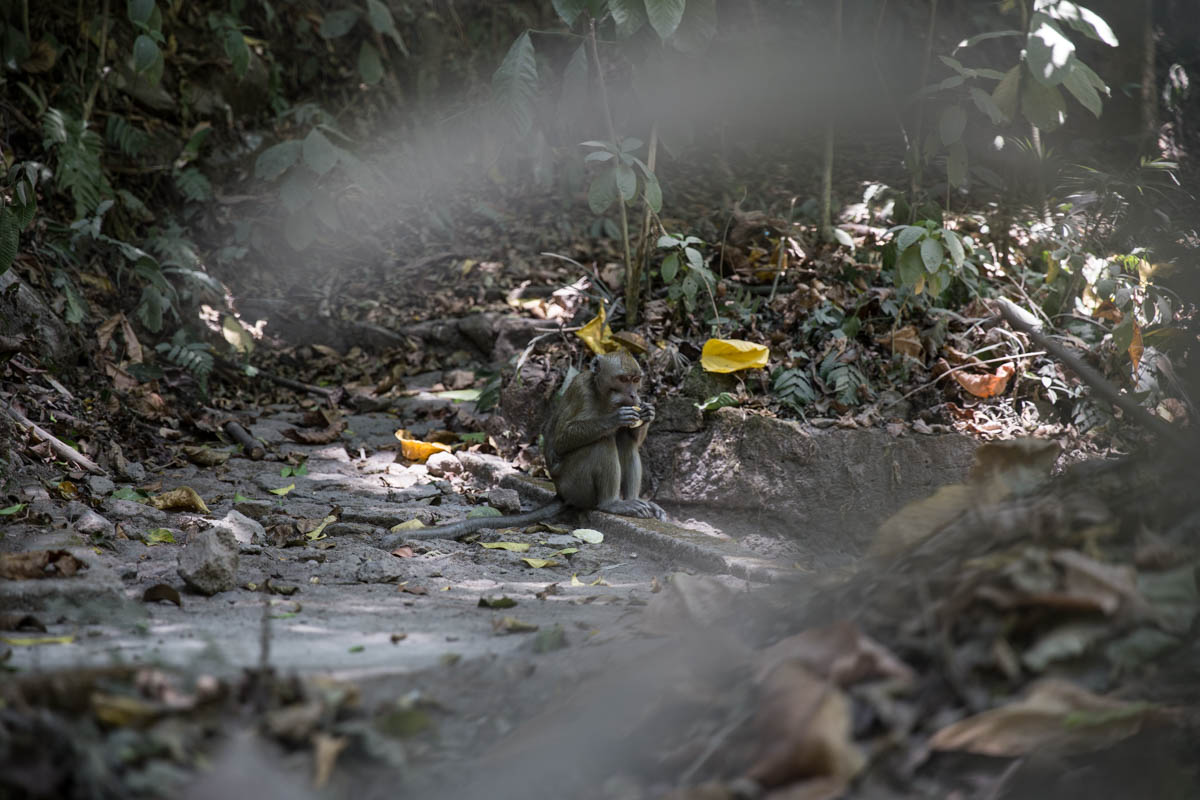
x=618, y=379
x=625, y=389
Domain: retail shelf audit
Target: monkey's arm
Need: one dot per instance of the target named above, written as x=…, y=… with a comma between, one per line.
x=465, y=526
x=571, y=434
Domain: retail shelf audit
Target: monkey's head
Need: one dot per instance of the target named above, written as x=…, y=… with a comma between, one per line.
x=618, y=378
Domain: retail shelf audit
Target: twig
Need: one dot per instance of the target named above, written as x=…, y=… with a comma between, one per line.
x=779, y=264
x=1100, y=385
x=331, y=396
x=58, y=446
x=253, y=448
x=91, y=99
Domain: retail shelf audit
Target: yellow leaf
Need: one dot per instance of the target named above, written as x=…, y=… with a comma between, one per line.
x=567, y=551
x=576, y=582
x=538, y=563
x=599, y=582
x=597, y=335
x=731, y=355
x=29, y=641
x=284, y=490
x=416, y=450
x=411, y=525
x=512, y=547
x=1135, y=347
x=588, y=535
x=160, y=536
x=318, y=532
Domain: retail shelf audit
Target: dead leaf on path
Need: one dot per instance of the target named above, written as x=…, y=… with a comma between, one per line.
x=410, y=525
x=804, y=728
x=921, y=518
x=732, y=355
x=403, y=552
x=497, y=602
x=1055, y=714
x=839, y=652
x=33, y=564
x=161, y=591
x=326, y=750
x=327, y=436
x=285, y=534
x=1111, y=586
x=986, y=386
x=418, y=451
x=124, y=711
x=21, y=622
x=905, y=341
x=512, y=547
x=597, y=335
x=205, y=456
x=540, y=563
x=20, y=641
x=418, y=590
x=512, y=625
x=185, y=498
x=551, y=589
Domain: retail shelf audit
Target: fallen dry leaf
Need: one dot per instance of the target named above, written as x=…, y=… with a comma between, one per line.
x=512, y=625
x=732, y=355
x=597, y=335
x=839, y=652
x=39, y=564
x=326, y=750
x=804, y=729
x=986, y=386
x=403, y=552
x=184, y=498
x=904, y=340
x=1054, y=714
x=327, y=436
x=416, y=450
x=161, y=591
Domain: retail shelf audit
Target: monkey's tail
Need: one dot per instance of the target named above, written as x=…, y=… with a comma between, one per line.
x=463, y=527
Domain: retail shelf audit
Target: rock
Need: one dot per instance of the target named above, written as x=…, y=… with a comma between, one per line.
x=505, y=500
x=485, y=467
x=208, y=563
x=134, y=512
x=90, y=523
x=442, y=464
x=23, y=312
x=244, y=529
x=413, y=493
x=677, y=414
x=388, y=569
x=134, y=471
x=100, y=486
x=477, y=328
x=377, y=462
x=353, y=529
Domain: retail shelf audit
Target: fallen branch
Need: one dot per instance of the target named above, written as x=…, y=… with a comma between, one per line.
x=331, y=396
x=252, y=447
x=57, y=445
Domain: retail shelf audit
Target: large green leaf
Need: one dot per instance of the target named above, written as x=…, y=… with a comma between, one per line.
x=603, y=191
x=139, y=11
x=653, y=193
x=908, y=236
x=568, y=10
x=319, y=152
x=381, y=20
x=339, y=23
x=296, y=191
x=630, y=16
x=984, y=102
x=698, y=26
x=515, y=84
x=1048, y=51
x=932, y=254
x=370, y=67
x=238, y=51
x=956, y=164
x=954, y=245
x=1084, y=20
x=952, y=123
x=1077, y=84
x=665, y=16
x=626, y=181
x=275, y=160
x=145, y=53
x=1043, y=105
x=670, y=267
x=1006, y=93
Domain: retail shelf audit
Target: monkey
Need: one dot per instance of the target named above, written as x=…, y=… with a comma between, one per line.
x=591, y=441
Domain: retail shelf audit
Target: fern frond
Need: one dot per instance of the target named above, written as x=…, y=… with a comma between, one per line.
x=125, y=136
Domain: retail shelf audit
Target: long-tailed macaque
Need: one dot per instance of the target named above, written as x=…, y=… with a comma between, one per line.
x=591, y=442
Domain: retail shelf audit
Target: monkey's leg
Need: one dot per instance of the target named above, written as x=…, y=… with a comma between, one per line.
x=631, y=478
x=588, y=476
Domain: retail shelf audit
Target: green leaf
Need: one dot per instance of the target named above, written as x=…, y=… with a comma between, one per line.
x=575, y=78
x=483, y=511
x=515, y=84
x=932, y=254
x=698, y=26
x=150, y=309
x=1084, y=20
x=299, y=230
x=1043, y=105
x=460, y=395
x=598, y=155
x=908, y=236
x=843, y=238
x=954, y=245
x=1048, y=51
x=981, y=37
x=238, y=52
x=602, y=192
x=626, y=181
x=145, y=53
x=1005, y=93
x=670, y=267
x=956, y=164
x=370, y=68
x=9, y=239
x=653, y=193
x=1077, y=84
x=984, y=102
x=319, y=152
x=8, y=511
x=338, y=23
x=275, y=160
x=568, y=10
x=694, y=259
x=297, y=189
x=630, y=143
x=952, y=123
x=630, y=16
x=664, y=16
x=139, y=11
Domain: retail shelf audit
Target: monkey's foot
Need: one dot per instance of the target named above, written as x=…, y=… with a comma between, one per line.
x=634, y=508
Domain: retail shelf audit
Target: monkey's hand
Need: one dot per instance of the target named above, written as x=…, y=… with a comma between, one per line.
x=647, y=413
x=626, y=417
